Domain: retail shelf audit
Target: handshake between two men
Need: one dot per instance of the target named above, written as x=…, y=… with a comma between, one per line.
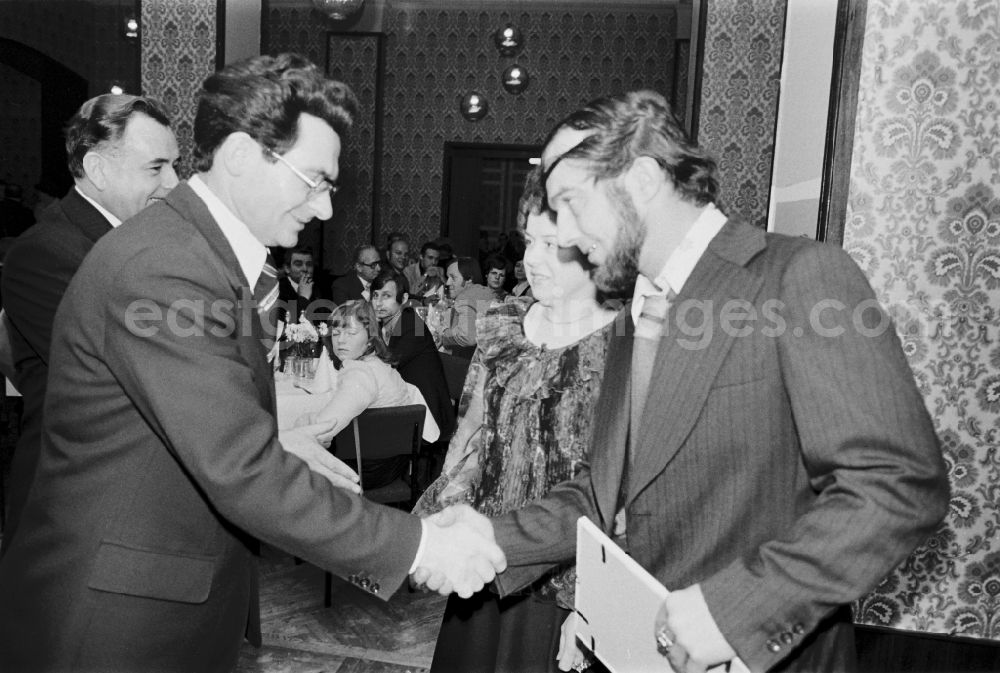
x=460, y=554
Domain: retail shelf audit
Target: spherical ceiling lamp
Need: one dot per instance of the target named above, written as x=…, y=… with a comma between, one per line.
x=515, y=79
x=474, y=106
x=508, y=40
x=339, y=10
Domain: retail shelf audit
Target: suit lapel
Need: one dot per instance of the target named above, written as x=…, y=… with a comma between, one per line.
x=685, y=367
x=189, y=206
x=610, y=438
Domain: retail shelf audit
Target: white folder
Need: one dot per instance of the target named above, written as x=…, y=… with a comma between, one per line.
x=616, y=603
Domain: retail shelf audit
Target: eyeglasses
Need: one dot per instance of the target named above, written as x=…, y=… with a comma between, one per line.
x=316, y=187
x=371, y=265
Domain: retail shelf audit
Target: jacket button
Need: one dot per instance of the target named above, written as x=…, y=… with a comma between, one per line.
x=773, y=645
x=798, y=629
x=786, y=638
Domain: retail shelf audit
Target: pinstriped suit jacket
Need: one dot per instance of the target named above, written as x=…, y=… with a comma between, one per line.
x=785, y=459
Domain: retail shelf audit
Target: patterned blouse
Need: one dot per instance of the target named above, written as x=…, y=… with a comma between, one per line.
x=524, y=422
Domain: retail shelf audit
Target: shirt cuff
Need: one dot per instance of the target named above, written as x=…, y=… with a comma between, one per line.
x=420, y=548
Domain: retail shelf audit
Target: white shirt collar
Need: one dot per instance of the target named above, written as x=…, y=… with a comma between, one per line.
x=114, y=221
x=250, y=253
x=681, y=261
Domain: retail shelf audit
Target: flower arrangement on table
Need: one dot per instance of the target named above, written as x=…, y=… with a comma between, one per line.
x=303, y=338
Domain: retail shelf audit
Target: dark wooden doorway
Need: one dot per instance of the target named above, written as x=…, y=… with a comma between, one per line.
x=482, y=185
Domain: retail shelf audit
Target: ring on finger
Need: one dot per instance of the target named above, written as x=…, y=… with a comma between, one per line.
x=580, y=665
x=664, y=640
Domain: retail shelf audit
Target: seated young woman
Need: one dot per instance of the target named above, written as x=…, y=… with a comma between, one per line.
x=366, y=380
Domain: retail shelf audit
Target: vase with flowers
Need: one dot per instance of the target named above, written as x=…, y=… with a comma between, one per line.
x=303, y=349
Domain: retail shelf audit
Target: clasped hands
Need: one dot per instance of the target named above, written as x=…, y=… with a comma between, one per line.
x=460, y=553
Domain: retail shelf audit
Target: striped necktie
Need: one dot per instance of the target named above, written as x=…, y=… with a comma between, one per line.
x=266, y=289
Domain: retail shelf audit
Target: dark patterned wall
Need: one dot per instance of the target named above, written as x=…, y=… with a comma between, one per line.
x=84, y=36
x=739, y=104
x=435, y=53
x=354, y=59
x=178, y=53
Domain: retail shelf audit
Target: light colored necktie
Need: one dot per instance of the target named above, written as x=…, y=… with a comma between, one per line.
x=648, y=330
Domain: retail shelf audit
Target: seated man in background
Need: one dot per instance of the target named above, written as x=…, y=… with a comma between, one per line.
x=122, y=155
x=418, y=273
x=357, y=283
x=397, y=252
x=298, y=292
x=458, y=334
x=412, y=345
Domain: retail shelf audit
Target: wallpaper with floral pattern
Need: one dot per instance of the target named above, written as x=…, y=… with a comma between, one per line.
x=923, y=221
x=178, y=53
x=741, y=76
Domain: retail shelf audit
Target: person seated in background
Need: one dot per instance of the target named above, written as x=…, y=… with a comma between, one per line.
x=366, y=380
x=495, y=269
x=356, y=284
x=298, y=292
x=458, y=333
x=419, y=274
x=412, y=346
x=396, y=255
x=521, y=287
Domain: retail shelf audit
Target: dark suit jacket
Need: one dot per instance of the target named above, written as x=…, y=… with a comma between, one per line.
x=160, y=463
x=37, y=270
x=419, y=363
x=786, y=462
x=317, y=307
x=347, y=288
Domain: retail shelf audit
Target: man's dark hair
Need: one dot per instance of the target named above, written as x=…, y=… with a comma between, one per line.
x=637, y=124
x=392, y=276
x=302, y=249
x=101, y=121
x=466, y=267
x=264, y=97
x=429, y=245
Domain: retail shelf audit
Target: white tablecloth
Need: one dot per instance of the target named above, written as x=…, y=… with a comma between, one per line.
x=293, y=401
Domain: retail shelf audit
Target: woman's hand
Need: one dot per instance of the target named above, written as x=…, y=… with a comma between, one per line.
x=305, y=441
x=570, y=656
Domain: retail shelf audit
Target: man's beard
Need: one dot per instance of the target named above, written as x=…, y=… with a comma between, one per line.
x=618, y=273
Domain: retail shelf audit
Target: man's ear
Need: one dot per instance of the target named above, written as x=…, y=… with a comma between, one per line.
x=239, y=153
x=644, y=179
x=95, y=168
x=406, y=297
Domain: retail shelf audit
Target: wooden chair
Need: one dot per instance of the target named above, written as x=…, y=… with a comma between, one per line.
x=381, y=433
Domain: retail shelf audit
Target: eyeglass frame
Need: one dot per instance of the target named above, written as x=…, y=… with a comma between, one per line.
x=316, y=187
x=371, y=265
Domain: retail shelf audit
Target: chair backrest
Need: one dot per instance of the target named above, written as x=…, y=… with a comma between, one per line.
x=382, y=432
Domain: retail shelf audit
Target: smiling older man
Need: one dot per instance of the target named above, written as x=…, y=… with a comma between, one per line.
x=122, y=155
